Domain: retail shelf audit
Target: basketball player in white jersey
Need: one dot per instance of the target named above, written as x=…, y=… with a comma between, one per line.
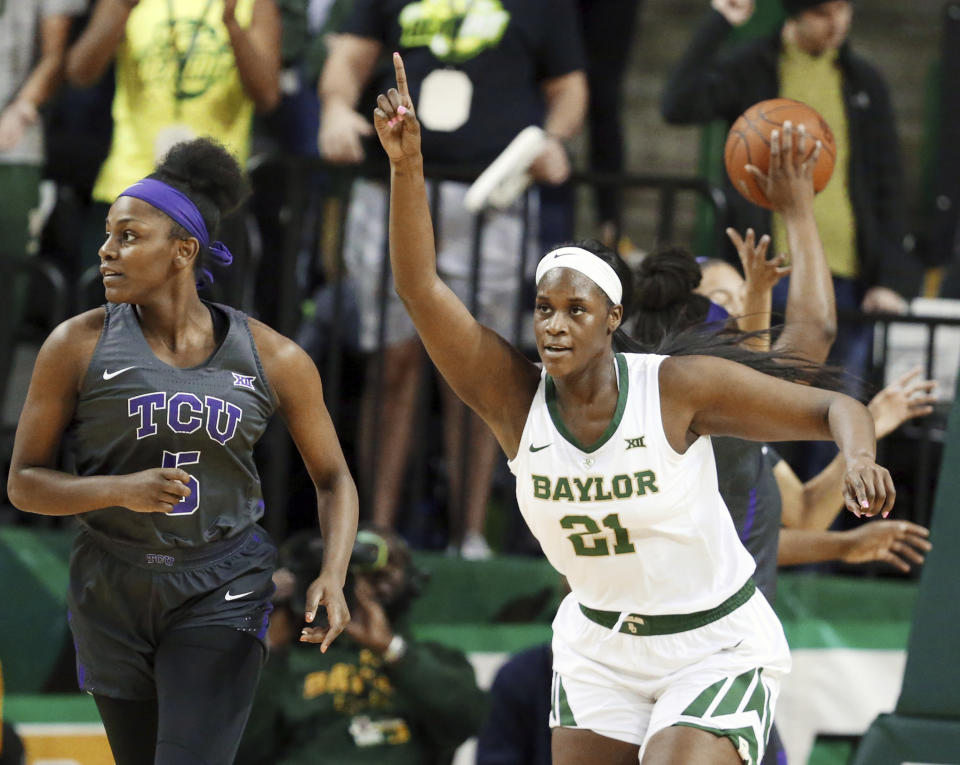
x=663, y=650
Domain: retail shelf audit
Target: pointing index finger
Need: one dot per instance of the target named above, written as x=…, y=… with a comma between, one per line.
x=401, y=78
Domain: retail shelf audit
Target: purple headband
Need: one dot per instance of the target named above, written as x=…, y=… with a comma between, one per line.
x=716, y=313
x=181, y=209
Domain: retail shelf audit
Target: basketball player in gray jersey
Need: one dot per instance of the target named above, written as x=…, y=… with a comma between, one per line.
x=160, y=397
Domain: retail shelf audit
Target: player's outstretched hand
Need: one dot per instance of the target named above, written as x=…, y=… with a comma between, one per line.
x=396, y=123
x=788, y=182
x=903, y=399
x=898, y=543
x=157, y=490
x=759, y=274
x=868, y=488
x=325, y=591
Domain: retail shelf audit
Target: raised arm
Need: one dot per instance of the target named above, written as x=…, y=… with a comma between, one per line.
x=346, y=72
x=92, y=53
x=42, y=83
x=566, y=101
x=299, y=394
x=256, y=49
x=760, y=276
x=485, y=371
x=703, y=395
x=811, y=317
x=35, y=484
x=699, y=87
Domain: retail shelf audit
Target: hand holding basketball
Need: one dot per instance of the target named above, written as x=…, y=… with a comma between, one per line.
x=749, y=142
x=788, y=185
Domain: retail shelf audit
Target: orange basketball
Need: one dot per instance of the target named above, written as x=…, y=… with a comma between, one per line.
x=748, y=142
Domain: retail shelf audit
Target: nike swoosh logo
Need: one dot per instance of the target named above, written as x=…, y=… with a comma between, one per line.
x=108, y=375
x=231, y=596
x=539, y=448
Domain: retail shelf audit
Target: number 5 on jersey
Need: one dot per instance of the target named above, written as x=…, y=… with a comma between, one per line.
x=187, y=505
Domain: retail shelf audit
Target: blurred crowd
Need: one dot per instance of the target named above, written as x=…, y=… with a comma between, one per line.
x=93, y=93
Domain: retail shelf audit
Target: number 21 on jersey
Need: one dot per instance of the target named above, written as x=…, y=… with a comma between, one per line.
x=187, y=505
x=594, y=541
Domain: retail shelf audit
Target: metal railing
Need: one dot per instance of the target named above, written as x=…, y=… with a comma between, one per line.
x=311, y=211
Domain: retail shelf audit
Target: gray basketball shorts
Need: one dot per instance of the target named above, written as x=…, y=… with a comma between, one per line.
x=509, y=251
x=122, y=600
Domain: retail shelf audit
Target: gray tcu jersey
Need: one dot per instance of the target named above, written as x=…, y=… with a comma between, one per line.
x=136, y=412
x=750, y=492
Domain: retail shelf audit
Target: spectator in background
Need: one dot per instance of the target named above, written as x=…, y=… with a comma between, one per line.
x=377, y=695
x=184, y=68
x=860, y=213
x=810, y=59
x=479, y=73
x=608, y=31
x=33, y=42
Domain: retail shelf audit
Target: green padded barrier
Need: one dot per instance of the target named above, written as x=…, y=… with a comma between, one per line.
x=475, y=592
x=820, y=611
x=926, y=724
x=899, y=740
x=51, y=708
x=931, y=684
x=33, y=616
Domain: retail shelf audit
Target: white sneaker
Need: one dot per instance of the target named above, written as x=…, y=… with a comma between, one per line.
x=475, y=547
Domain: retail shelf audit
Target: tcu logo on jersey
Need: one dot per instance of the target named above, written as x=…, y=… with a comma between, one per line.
x=186, y=413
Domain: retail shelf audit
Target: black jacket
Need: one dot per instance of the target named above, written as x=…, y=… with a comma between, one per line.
x=707, y=85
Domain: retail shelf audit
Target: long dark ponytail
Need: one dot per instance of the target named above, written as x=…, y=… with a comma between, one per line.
x=668, y=317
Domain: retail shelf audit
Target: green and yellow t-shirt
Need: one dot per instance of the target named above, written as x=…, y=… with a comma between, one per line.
x=176, y=78
x=818, y=82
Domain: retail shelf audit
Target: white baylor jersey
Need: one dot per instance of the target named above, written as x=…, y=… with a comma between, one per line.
x=632, y=524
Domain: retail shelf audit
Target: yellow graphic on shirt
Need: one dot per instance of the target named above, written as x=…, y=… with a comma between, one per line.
x=176, y=74
x=454, y=30
x=188, y=56
x=354, y=688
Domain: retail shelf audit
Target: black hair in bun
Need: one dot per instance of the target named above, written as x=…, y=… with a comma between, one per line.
x=664, y=297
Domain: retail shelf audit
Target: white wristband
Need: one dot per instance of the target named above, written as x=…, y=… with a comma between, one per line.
x=396, y=650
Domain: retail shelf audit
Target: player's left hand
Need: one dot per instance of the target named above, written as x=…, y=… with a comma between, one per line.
x=898, y=543
x=868, y=488
x=394, y=119
x=370, y=625
x=325, y=591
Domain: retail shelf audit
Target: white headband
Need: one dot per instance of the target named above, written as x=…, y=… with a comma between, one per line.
x=588, y=264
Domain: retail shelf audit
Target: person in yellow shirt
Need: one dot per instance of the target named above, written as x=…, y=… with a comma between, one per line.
x=184, y=68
